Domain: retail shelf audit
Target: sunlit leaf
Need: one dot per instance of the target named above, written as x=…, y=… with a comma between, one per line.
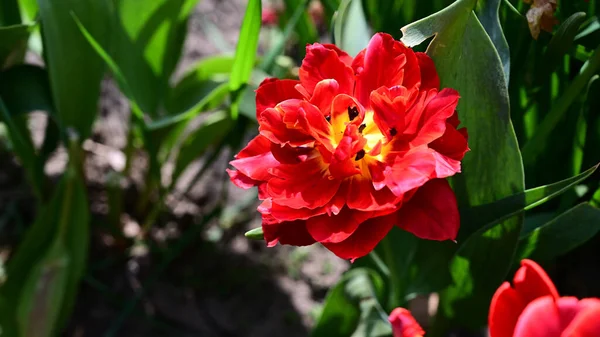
x=560, y=235
x=74, y=67
x=467, y=61
x=245, y=53
x=351, y=32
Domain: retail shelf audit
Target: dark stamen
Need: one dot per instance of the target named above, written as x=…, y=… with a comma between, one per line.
x=362, y=127
x=393, y=132
x=352, y=112
x=360, y=155
x=328, y=118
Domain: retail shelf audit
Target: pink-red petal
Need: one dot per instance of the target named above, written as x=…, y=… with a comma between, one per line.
x=404, y=324
x=286, y=233
x=429, y=76
x=530, y=282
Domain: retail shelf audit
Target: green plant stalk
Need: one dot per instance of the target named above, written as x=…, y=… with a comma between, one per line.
x=531, y=150
x=17, y=139
x=395, y=295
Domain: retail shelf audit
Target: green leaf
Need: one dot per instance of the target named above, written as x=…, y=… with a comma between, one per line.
x=61, y=225
x=212, y=131
x=148, y=41
x=487, y=12
x=255, y=234
x=74, y=68
x=351, y=32
x=356, y=292
x=484, y=216
x=114, y=68
x=13, y=42
x=467, y=61
x=560, y=235
x=245, y=53
x=537, y=144
x=43, y=292
x=562, y=41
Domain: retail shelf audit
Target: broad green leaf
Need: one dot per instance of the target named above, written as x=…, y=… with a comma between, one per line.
x=467, y=61
x=9, y=13
x=430, y=268
x=74, y=68
x=537, y=144
x=485, y=216
x=560, y=235
x=43, y=292
x=63, y=222
x=341, y=312
x=245, y=53
x=148, y=41
x=13, y=42
x=212, y=131
x=351, y=32
x=112, y=65
x=487, y=13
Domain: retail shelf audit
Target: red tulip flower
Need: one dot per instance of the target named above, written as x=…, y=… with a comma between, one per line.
x=353, y=148
x=531, y=307
x=404, y=324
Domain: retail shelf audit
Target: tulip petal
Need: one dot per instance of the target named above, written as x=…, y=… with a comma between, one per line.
x=286, y=233
x=272, y=91
x=587, y=321
x=429, y=76
x=362, y=195
x=432, y=212
x=304, y=185
x=386, y=63
x=530, y=282
x=322, y=63
x=323, y=96
x=546, y=317
x=410, y=170
x=364, y=239
x=432, y=120
x=335, y=229
x=404, y=324
x=253, y=163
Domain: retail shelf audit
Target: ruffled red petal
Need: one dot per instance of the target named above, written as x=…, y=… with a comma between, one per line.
x=286, y=233
x=432, y=119
x=322, y=63
x=335, y=229
x=272, y=91
x=432, y=212
x=386, y=62
x=364, y=239
x=253, y=162
x=304, y=185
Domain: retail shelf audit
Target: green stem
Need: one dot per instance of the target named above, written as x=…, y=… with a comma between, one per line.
x=395, y=294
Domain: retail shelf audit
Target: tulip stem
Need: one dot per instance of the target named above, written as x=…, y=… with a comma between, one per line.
x=394, y=299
